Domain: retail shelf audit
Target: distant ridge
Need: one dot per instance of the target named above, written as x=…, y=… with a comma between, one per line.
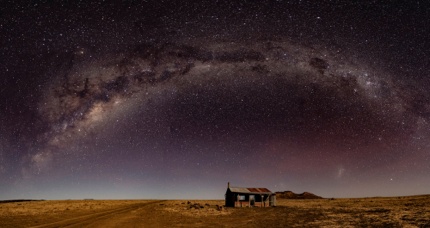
x=17, y=200
x=292, y=195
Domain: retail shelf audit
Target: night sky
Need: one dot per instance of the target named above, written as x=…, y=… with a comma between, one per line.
x=173, y=99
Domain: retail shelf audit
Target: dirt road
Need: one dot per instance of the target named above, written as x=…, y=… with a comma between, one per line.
x=133, y=215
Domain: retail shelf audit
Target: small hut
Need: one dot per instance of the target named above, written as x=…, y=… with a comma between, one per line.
x=249, y=197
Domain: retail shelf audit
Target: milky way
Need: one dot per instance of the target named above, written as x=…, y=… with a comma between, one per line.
x=179, y=111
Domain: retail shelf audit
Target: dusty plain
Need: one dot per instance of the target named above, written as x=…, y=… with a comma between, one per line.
x=410, y=211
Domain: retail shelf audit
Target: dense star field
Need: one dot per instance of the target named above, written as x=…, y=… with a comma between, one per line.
x=173, y=99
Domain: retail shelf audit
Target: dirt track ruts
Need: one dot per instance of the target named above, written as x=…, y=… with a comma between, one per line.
x=104, y=218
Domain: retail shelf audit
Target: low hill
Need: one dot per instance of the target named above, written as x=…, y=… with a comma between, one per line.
x=18, y=200
x=292, y=195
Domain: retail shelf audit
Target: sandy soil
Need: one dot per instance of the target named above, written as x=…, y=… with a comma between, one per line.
x=362, y=212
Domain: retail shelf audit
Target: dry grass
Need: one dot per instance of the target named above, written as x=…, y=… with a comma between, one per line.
x=411, y=211
x=362, y=212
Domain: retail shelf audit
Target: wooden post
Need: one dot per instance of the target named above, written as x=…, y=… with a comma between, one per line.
x=265, y=203
x=261, y=205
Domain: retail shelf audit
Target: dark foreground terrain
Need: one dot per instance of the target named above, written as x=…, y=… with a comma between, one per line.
x=412, y=211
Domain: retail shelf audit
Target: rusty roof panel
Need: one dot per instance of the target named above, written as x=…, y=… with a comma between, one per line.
x=238, y=189
x=263, y=190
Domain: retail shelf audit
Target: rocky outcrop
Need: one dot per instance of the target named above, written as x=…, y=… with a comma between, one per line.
x=292, y=195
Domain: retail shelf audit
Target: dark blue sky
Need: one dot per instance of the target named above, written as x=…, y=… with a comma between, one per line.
x=164, y=99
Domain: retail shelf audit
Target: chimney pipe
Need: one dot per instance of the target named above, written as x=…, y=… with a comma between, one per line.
x=228, y=184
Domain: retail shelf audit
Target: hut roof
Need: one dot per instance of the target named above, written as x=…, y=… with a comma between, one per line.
x=264, y=191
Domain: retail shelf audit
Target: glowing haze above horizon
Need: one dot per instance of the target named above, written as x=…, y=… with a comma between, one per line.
x=165, y=99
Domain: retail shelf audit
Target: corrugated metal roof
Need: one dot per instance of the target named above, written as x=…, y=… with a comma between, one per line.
x=250, y=190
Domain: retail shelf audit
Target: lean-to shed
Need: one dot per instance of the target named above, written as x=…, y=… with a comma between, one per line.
x=249, y=197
